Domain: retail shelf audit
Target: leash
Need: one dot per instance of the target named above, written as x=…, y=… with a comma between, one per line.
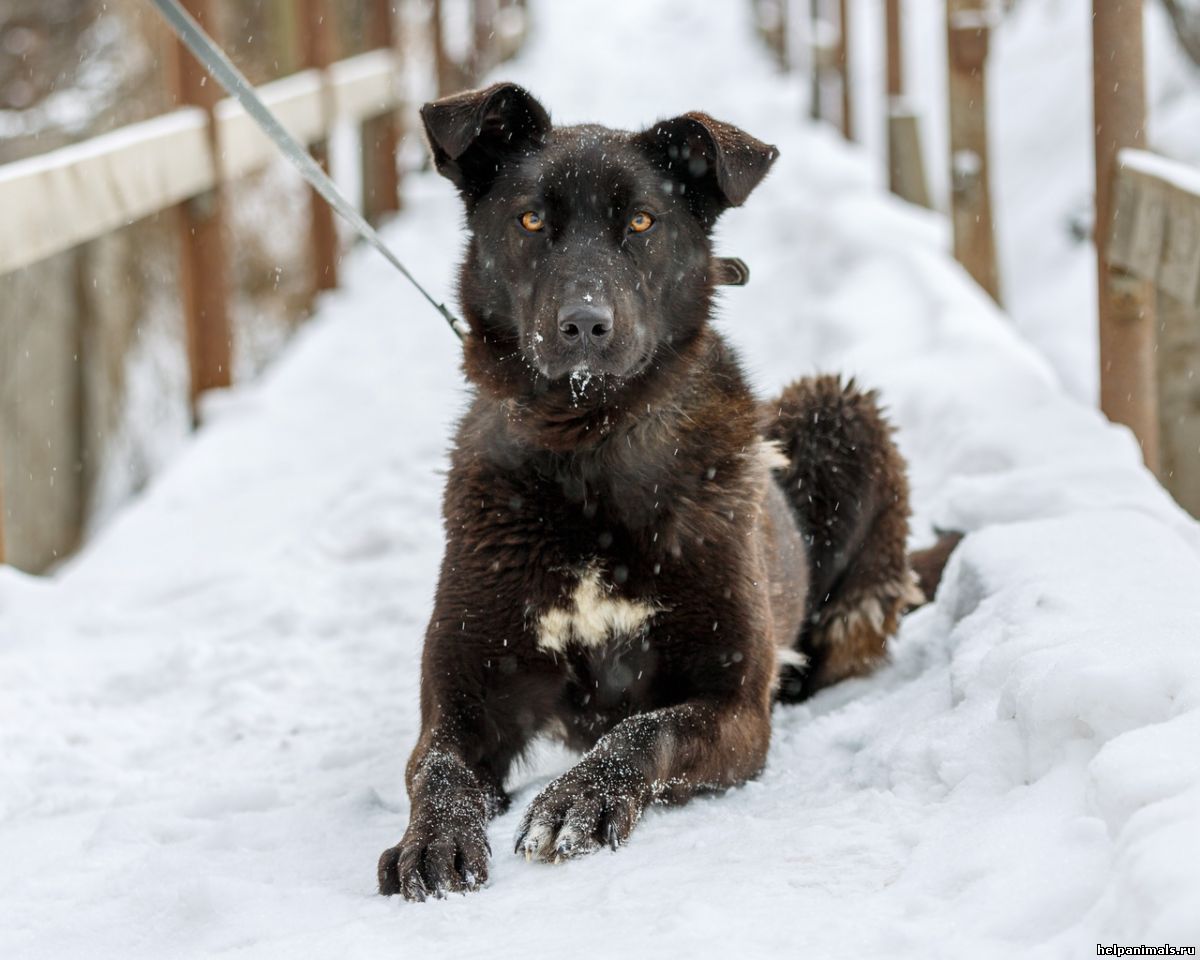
x=726, y=271
x=222, y=69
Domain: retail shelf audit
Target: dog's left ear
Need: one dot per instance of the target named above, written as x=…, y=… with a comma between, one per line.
x=471, y=134
x=713, y=164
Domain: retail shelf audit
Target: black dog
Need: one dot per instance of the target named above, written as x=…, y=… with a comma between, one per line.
x=639, y=555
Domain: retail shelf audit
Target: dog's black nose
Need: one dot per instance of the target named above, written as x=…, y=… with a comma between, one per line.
x=585, y=323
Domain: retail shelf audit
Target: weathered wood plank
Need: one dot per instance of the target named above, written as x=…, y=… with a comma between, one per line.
x=366, y=85
x=55, y=201
x=968, y=29
x=844, y=74
x=1178, y=358
x=1128, y=383
x=1149, y=230
x=1155, y=224
x=318, y=42
x=1179, y=273
x=203, y=251
x=1124, y=217
x=894, y=66
x=380, y=135
x=295, y=100
x=1155, y=238
x=907, y=173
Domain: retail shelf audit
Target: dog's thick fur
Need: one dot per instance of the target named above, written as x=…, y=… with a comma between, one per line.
x=640, y=556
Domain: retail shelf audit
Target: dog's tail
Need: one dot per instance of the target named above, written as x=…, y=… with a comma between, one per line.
x=929, y=564
x=848, y=488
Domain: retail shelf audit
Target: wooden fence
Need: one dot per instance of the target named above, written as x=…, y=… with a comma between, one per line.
x=1154, y=242
x=1147, y=208
x=969, y=25
x=57, y=200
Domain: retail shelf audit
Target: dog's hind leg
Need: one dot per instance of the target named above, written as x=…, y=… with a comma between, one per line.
x=847, y=484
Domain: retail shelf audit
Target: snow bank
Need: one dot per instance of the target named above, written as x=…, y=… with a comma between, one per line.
x=204, y=718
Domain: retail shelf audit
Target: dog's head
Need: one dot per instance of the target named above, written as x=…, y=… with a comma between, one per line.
x=589, y=253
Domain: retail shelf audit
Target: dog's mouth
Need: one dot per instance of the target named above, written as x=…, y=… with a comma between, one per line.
x=587, y=378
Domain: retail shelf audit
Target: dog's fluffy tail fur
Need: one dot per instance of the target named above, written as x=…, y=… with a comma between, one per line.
x=847, y=484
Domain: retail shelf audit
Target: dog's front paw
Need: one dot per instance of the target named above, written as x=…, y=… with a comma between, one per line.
x=571, y=817
x=436, y=856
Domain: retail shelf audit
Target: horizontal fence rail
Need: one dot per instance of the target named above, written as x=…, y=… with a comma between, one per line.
x=1155, y=238
x=56, y=200
x=180, y=163
x=1156, y=223
x=1147, y=208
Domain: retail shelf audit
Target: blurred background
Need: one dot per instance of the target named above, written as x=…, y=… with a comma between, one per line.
x=94, y=374
x=108, y=340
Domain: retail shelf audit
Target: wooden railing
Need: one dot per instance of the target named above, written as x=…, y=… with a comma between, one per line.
x=1154, y=239
x=57, y=200
x=1147, y=208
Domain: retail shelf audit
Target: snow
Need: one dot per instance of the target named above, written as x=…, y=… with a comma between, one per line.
x=1182, y=176
x=204, y=717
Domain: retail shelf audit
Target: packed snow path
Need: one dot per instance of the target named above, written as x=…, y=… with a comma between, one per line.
x=204, y=718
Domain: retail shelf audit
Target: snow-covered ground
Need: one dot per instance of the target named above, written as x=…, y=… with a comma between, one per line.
x=204, y=717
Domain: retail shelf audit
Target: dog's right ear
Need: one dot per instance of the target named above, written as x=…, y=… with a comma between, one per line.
x=471, y=134
x=714, y=165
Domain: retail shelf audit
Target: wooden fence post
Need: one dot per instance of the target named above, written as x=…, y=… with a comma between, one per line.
x=1127, y=363
x=203, y=272
x=906, y=164
x=829, y=59
x=381, y=135
x=483, y=23
x=317, y=50
x=771, y=17
x=283, y=44
x=816, y=56
x=894, y=48
x=1, y=506
x=968, y=26
x=444, y=71
x=843, y=61
x=512, y=25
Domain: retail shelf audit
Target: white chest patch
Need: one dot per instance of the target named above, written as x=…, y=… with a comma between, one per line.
x=592, y=616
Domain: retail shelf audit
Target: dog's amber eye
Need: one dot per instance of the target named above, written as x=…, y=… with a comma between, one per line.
x=532, y=221
x=640, y=222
